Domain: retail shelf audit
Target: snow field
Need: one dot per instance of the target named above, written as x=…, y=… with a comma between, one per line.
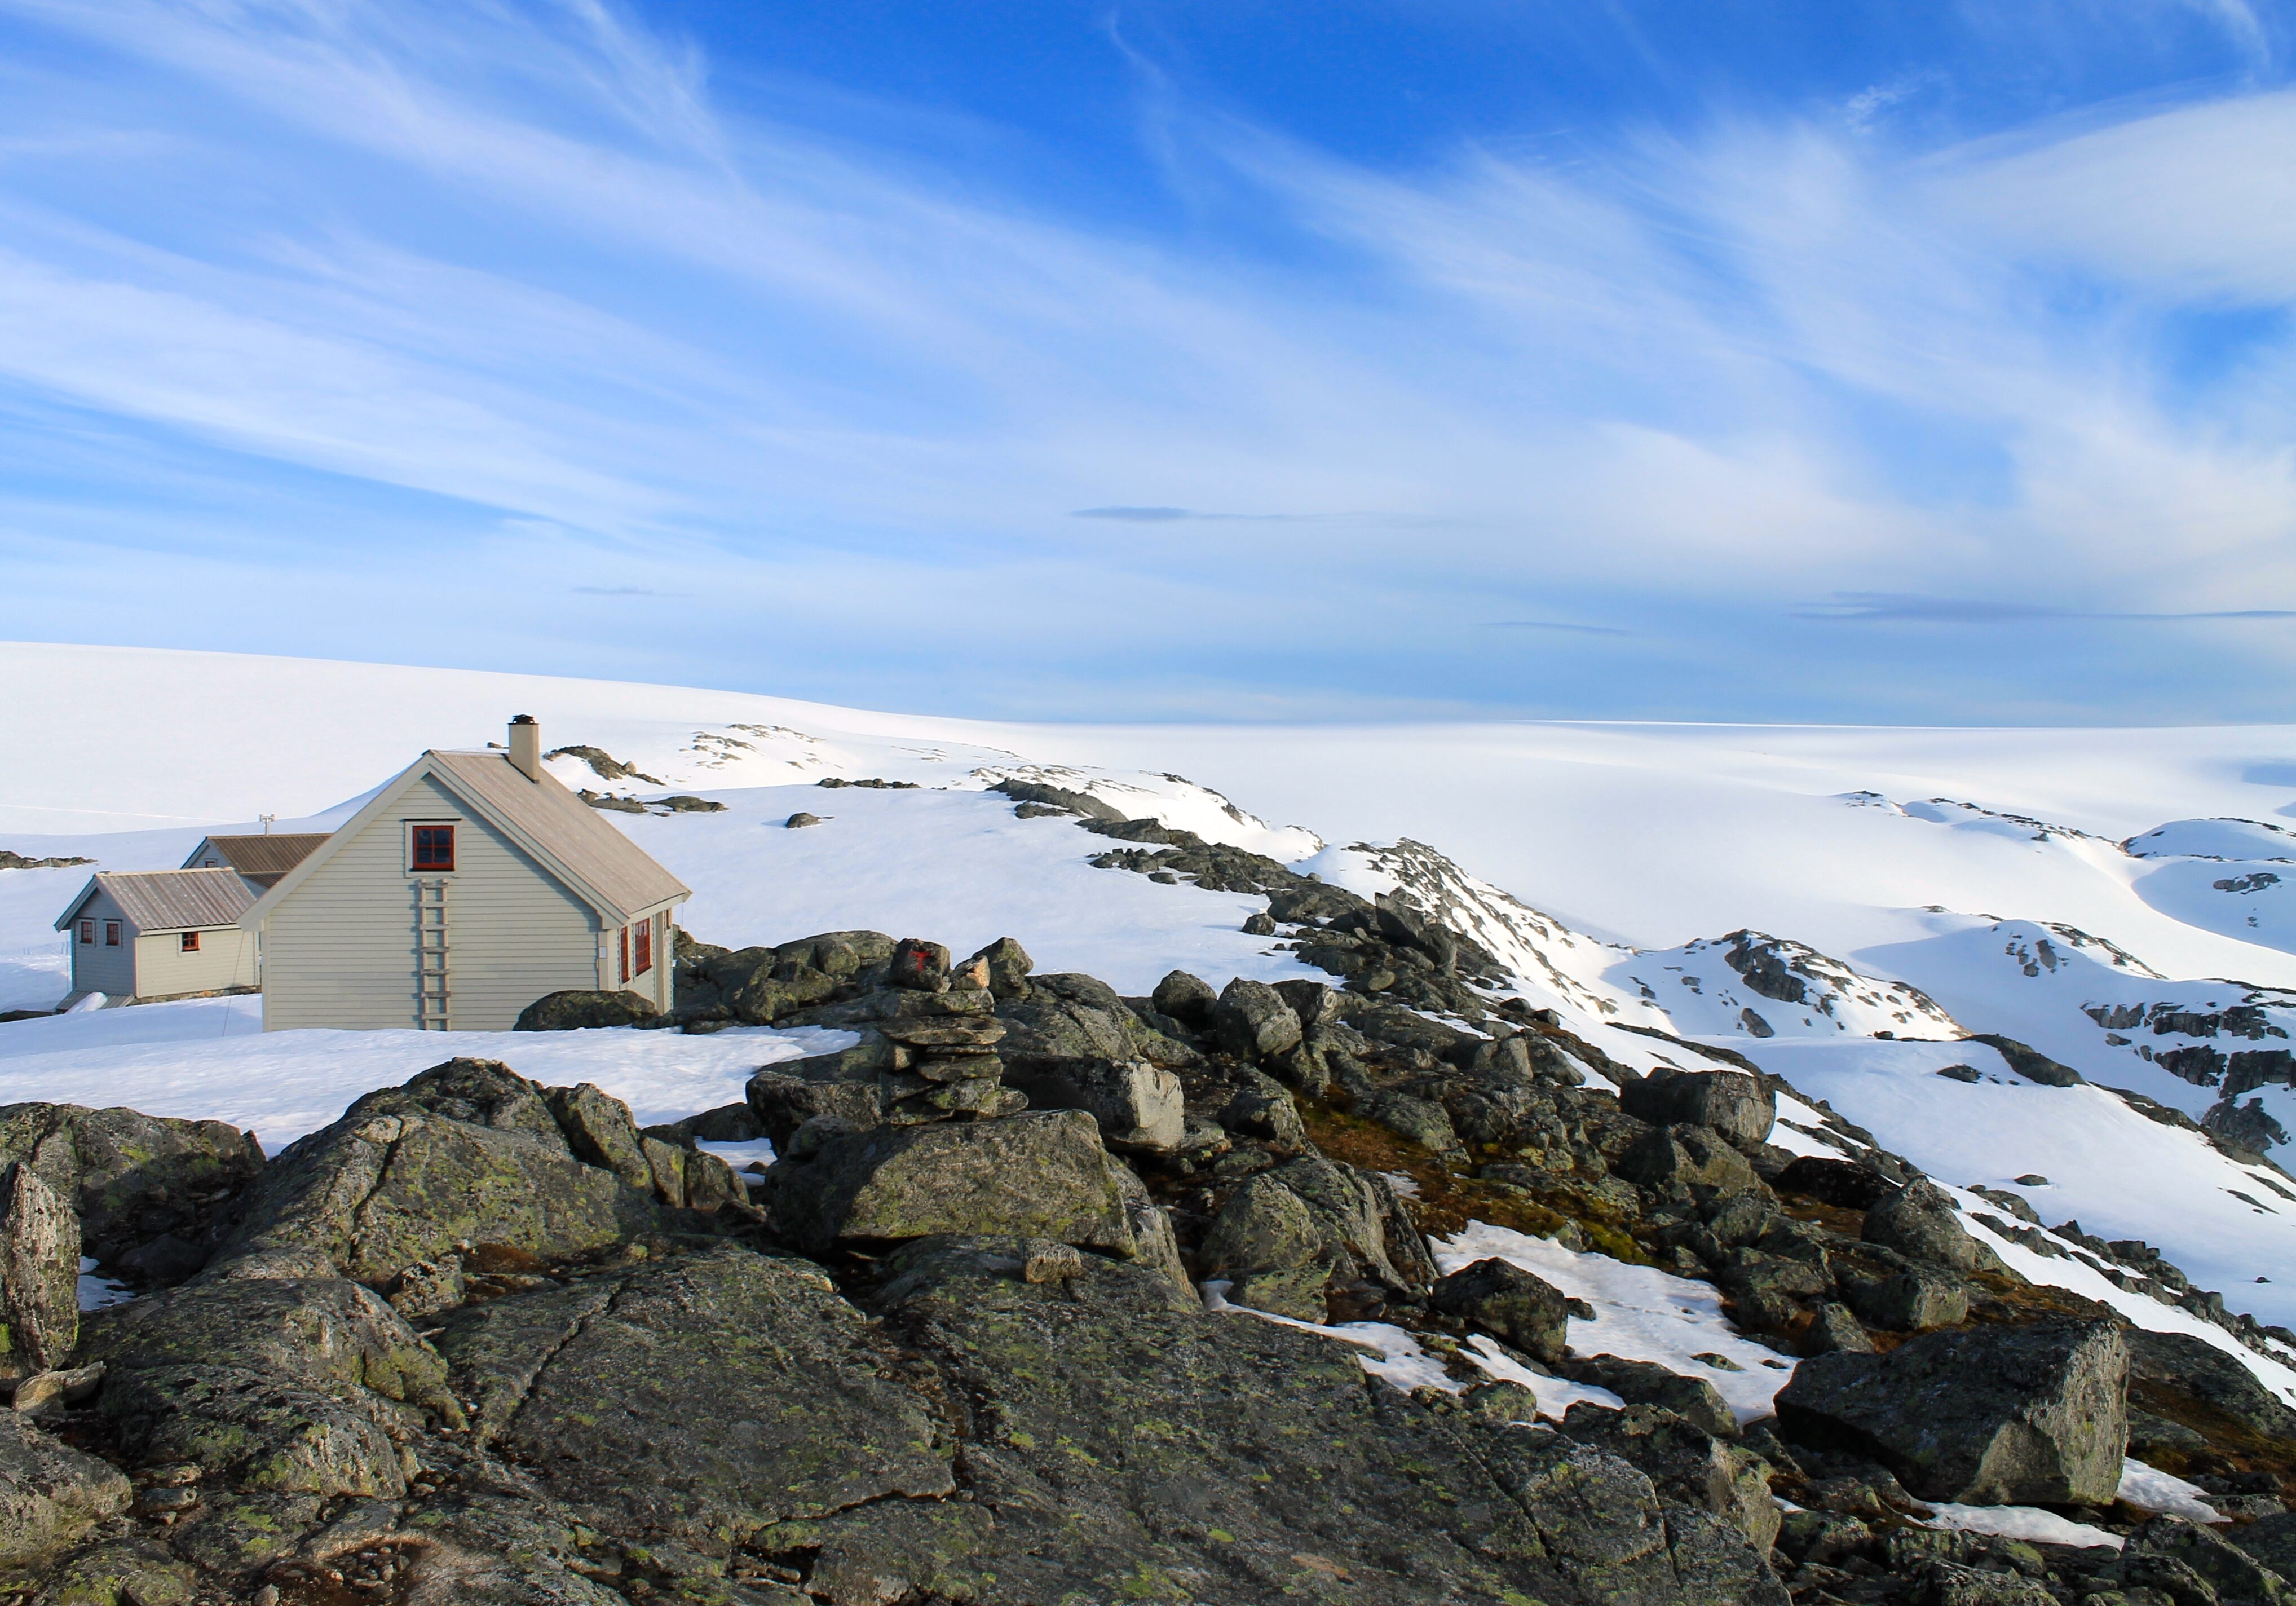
x=208, y=1059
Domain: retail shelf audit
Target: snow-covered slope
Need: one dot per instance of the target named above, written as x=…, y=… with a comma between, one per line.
x=1843, y=906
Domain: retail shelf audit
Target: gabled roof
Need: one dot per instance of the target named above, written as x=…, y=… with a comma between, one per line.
x=168, y=900
x=260, y=859
x=565, y=835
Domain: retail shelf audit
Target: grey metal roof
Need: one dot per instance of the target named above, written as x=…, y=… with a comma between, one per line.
x=572, y=838
x=261, y=859
x=168, y=900
x=596, y=856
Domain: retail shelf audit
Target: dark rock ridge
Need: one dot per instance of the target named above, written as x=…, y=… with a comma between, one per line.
x=485, y=1340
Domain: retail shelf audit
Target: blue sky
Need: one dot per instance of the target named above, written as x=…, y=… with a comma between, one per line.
x=1907, y=362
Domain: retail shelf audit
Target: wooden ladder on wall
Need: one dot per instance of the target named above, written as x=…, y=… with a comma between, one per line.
x=433, y=991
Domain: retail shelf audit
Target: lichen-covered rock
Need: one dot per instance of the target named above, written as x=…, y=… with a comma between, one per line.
x=1687, y=1162
x=1919, y=1220
x=50, y=1493
x=1510, y=1304
x=1138, y=1105
x=1066, y=1017
x=1042, y=1175
x=132, y=1178
x=39, y=1274
x=466, y=1152
x=1996, y=1415
x=1253, y=1020
x=1422, y=1121
x=577, y=1009
x=1742, y=1107
x=1689, y=1465
x=1008, y=963
x=1271, y=1248
x=1693, y=1399
x=1186, y=998
x=1121, y=1445
x=698, y=1399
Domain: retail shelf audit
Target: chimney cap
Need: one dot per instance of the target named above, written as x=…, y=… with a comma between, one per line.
x=522, y=719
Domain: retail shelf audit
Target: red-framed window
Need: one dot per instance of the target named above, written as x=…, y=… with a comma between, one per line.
x=191, y=942
x=87, y=931
x=433, y=849
x=625, y=952
x=110, y=933
x=641, y=960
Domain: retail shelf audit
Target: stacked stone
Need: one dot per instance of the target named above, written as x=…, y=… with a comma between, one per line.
x=943, y=1036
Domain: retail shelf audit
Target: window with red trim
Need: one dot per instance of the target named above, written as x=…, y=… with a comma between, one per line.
x=110, y=933
x=87, y=931
x=643, y=960
x=625, y=952
x=433, y=847
x=191, y=942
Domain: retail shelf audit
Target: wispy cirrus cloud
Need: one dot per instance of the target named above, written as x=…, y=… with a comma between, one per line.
x=528, y=286
x=1888, y=608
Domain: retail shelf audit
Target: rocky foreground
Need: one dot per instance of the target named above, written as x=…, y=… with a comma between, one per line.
x=481, y=1340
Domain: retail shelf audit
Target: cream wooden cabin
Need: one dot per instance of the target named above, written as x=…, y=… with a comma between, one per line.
x=472, y=885
x=158, y=934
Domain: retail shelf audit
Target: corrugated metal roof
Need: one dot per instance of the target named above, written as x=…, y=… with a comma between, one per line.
x=170, y=900
x=565, y=828
x=261, y=859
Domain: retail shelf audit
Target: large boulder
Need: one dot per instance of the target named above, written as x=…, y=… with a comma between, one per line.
x=50, y=1493
x=1270, y=1247
x=1138, y=1105
x=39, y=1274
x=1919, y=1220
x=145, y=1188
x=1042, y=1175
x=1066, y=1017
x=1686, y=1162
x=595, y=1385
x=1991, y=1416
x=1253, y=1021
x=467, y=1152
x=1693, y=1399
x=1289, y=1235
x=1690, y=1465
x=578, y=1011
x=2179, y=1363
x=1510, y=1304
x=1742, y=1107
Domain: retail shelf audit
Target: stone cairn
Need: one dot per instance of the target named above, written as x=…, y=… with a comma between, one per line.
x=943, y=1036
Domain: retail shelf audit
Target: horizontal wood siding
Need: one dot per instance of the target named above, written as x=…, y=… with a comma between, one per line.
x=225, y=959
x=98, y=969
x=340, y=950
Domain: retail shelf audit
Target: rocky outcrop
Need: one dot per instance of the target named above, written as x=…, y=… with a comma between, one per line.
x=1510, y=1304
x=1990, y=1416
x=39, y=1274
x=1040, y=1174
x=466, y=1153
x=1740, y=1107
x=146, y=1190
x=594, y=1385
x=50, y=1493
x=577, y=1010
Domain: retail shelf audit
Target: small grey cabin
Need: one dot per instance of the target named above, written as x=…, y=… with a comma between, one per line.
x=261, y=861
x=472, y=884
x=137, y=936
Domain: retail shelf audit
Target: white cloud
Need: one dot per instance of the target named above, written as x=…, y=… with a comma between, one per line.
x=527, y=259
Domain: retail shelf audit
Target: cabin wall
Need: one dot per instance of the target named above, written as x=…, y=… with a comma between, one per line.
x=339, y=951
x=96, y=969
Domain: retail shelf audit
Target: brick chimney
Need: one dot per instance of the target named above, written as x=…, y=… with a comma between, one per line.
x=526, y=746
